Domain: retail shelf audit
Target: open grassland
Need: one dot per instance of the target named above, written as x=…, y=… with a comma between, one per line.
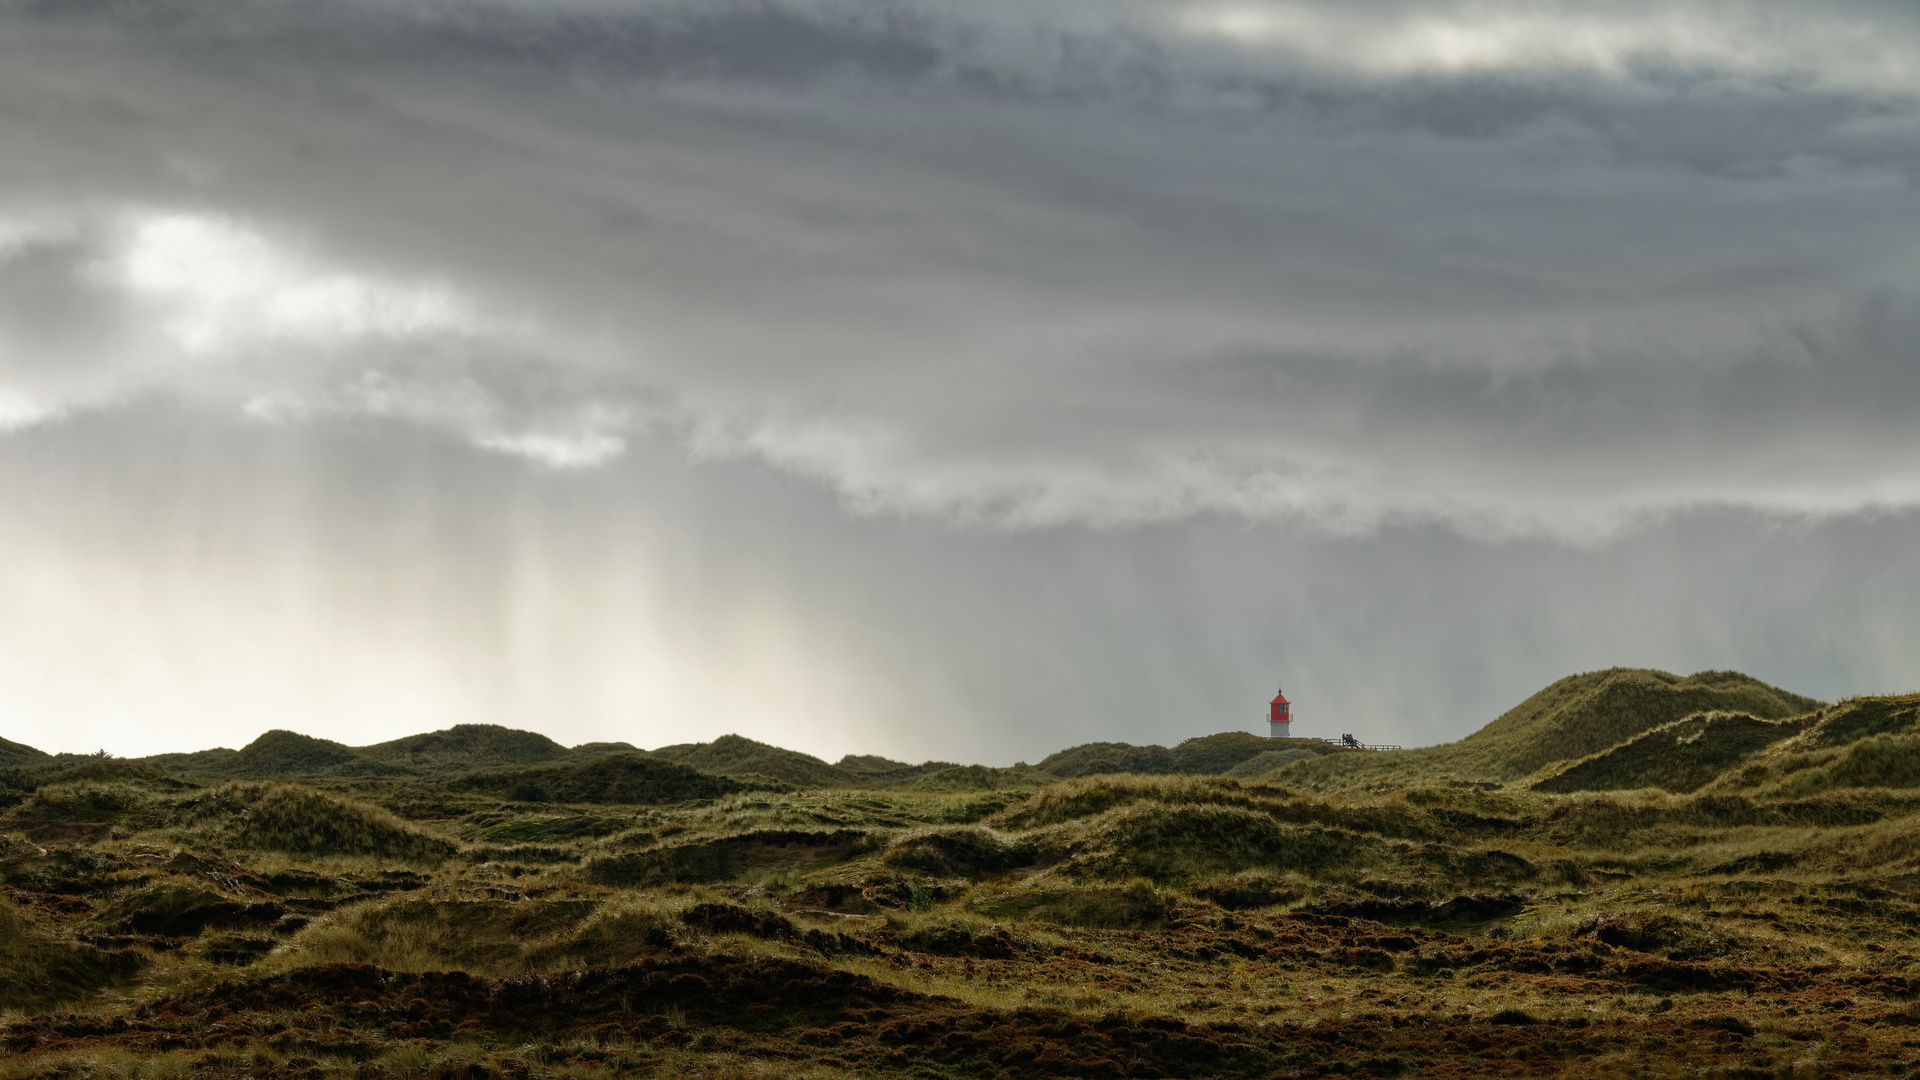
x=1720, y=891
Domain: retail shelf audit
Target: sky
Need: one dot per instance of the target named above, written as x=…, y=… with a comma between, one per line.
x=945, y=380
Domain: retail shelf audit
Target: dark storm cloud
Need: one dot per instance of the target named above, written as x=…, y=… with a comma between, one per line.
x=1070, y=263
x=1425, y=274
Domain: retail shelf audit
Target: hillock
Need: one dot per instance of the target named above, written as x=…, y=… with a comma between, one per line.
x=1206, y=754
x=595, y=749
x=1089, y=759
x=202, y=762
x=1269, y=760
x=732, y=755
x=1584, y=714
x=1859, y=743
x=1573, y=718
x=1681, y=757
x=301, y=821
x=883, y=770
x=613, y=778
x=281, y=753
x=109, y=771
x=467, y=746
x=13, y=753
x=978, y=778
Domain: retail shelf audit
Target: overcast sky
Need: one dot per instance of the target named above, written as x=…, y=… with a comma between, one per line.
x=945, y=379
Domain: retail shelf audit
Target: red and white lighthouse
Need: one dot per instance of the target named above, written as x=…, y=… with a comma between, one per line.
x=1279, y=716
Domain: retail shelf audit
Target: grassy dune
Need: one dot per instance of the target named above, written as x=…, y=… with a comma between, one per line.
x=1731, y=887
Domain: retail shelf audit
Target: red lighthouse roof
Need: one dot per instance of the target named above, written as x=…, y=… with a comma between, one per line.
x=1279, y=699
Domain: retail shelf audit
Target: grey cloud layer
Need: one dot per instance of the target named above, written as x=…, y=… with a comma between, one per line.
x=1512, y=268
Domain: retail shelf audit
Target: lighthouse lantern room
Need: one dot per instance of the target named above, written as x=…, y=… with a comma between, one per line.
x=1279, y=716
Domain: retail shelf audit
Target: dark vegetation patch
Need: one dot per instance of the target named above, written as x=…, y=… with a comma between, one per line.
x=1663, y=933
x=793, y=1011
x=733, y=755
x=786, y=1005
x=977, y=778
x=467, y=746
x=886, y=770
x=277, y=754
x=1206, y=754
x=38, y=971
x=14, y=754
x=183, y=911
x=613, y=778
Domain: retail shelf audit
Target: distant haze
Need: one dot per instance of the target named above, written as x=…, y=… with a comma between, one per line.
x=945, y=380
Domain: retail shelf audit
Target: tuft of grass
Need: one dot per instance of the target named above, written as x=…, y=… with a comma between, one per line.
x=421, y=933
x=302, y=821
x=65, y=811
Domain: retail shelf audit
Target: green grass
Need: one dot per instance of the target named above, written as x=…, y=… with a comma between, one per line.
x=277, y=754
